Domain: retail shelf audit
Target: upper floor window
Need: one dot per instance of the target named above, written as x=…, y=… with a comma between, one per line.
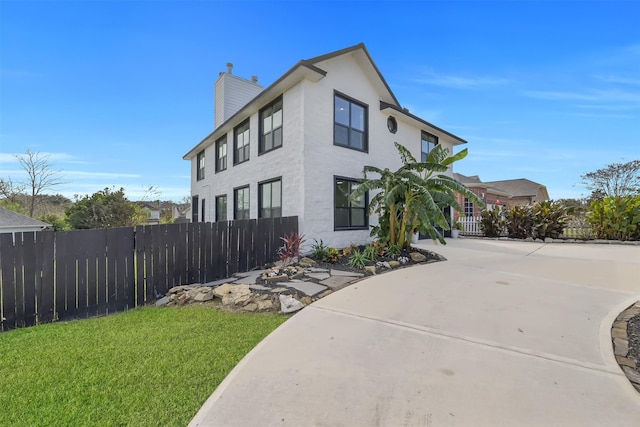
x=271, y=126
x=200, y=166
x=350, y=123
x=349, y=213
x=241, y=143
x=221, y=154
x=241, y=203
x=270, y=199
x=429, y=142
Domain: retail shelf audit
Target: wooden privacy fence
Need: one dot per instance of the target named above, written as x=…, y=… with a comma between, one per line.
x=47, y=276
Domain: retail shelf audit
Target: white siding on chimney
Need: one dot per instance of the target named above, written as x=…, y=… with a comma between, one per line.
x=231, y=94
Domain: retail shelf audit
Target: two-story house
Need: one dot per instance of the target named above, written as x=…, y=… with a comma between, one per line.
x=299, y=146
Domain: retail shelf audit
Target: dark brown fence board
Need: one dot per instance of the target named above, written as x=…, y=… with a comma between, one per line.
x=19, y=259
x=46, y=302
x=112, y=263
x=102, y=300
x=60, y=289
x=139, y=262
x=29, y=278
x=221, y=251
x=173, y=256
x=234, y=254
x=124, y=255
x=7, y=264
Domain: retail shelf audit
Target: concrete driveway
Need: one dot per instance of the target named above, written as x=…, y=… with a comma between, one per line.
x=502, y=334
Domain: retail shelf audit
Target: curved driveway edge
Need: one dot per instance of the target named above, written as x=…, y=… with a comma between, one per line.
x=503, y=333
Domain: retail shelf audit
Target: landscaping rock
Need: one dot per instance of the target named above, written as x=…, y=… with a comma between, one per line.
x=162, y=301
x=394, y=264
x=307, y=262
x=370, y=269
x=289, y=304
x=417, y=257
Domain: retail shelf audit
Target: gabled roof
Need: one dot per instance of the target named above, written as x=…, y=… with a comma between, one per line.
x=475, y=182
x=521, y=187
x=308, y=68
x=10, y=219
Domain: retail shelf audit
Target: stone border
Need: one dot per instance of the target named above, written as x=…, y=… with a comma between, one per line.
x=620, y=342
x=550, y=240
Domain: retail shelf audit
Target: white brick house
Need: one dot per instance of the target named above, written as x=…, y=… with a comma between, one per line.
x=296, y=147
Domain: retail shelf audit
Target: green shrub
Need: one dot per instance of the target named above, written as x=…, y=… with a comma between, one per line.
x=370, y=253
x=550, y=219
x=358, y=259
x=318, y=250
x=393, y=251
x=616, y=218
x=491, y=222
x=332, y=255
x=520, y=222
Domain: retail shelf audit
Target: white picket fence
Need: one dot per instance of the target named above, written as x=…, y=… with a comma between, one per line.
x=470, y=226
x=577, y=229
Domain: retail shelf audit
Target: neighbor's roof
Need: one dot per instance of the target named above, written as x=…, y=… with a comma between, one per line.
x=307, y=68
x=474, y=181
x=10, y=219
x=518, y=187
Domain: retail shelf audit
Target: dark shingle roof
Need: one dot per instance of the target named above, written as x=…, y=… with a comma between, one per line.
x=517, y=187
x=13, y=219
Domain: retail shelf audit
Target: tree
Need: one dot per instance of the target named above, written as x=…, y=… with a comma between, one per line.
x=413, y=198
x=616, y=180
x=103, y=209
x=41, y=176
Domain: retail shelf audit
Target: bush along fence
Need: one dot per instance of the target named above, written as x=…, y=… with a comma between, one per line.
x=48, y=276
x=574, y=229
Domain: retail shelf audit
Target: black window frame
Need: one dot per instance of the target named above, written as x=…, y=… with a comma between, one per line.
x=219, y=218
x=261, y=201
x=194, y=208
x=203, y=210
x=235, y=203
x=221, y=162
x=270, y=110
x=241, y=128
x=337, y=227
x=350, y=128
x=426, y=136
x=200, y=165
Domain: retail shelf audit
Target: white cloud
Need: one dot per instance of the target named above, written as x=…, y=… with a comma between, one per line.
x=460, y=82
x=618, y=79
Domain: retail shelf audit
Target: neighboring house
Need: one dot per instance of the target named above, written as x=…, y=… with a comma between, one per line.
x=159, y=210
x=500, y=193
x=13, y=222
x=298, y=147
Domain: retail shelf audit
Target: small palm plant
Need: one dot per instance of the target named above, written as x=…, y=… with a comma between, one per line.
x=412, y=199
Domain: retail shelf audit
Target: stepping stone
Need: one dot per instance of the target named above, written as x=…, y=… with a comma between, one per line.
x=279, y=289
x=319, y=276
x=345, y=273
x=308, y=288
x=250, y=276
x=318, y=270
x=337, y=282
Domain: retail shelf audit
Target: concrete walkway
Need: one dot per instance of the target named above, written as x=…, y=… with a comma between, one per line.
x=501, y=334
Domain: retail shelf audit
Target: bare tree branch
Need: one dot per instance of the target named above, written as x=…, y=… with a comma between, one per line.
x=41, y=175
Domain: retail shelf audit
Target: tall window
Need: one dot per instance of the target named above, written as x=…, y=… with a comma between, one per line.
x=221, y=208
x=429, y=142
x=270, y=199
x=221, y=154
x=468, y=207
x=350, y=123
x=349, y=213
x=241, y=143
x=203, y=210
x=271, y=126
x=200, y=166
x=241, y=203
x=194, y=209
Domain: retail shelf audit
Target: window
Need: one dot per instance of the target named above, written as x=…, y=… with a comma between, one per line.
x=221, y=154
x=350, y=124
x=270, y=199
x=429, y=142
x=271, y=126
x=468, y=207
x=241, y=143
x=200, y=166
x=203, y=211
x=349, y=214
x=221, y=208
x=241, y=203
x=194, y=209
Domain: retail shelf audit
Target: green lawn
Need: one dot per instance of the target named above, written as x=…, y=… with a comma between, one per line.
x=146, y=367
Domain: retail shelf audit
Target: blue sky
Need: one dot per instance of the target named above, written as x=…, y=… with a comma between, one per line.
x=116, y=92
